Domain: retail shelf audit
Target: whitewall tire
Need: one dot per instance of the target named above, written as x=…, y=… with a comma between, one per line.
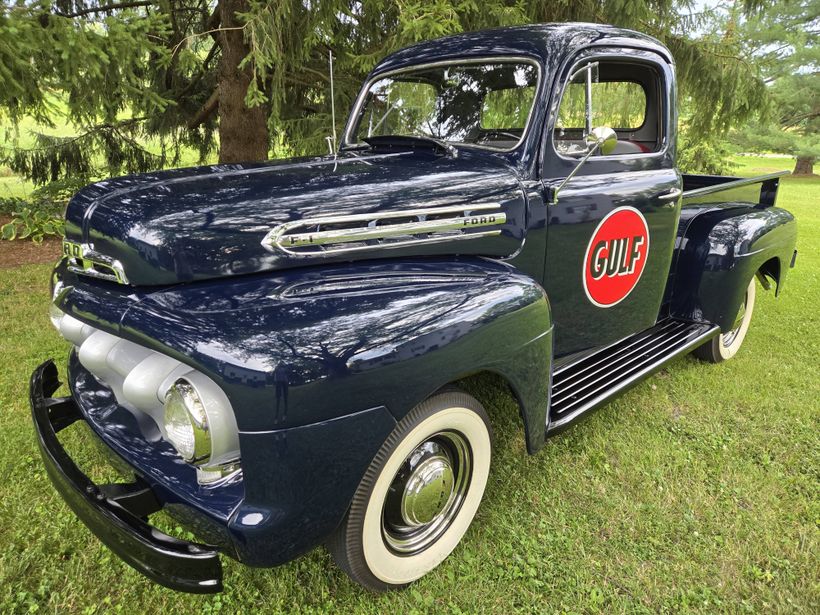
x=725, y=346
x=419, y=495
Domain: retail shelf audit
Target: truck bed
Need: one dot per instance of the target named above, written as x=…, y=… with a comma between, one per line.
x=700, y=190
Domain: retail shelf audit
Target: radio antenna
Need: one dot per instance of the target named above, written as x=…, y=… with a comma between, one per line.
x=332, y=105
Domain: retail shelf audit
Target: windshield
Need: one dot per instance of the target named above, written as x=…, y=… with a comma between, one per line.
x=486, y=103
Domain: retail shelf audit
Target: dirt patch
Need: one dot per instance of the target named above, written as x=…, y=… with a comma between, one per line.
x=26, y=252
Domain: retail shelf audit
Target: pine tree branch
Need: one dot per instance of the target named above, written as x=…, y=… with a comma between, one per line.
x=215, y=18
x=114, y=6
x=206, y=63
x=196, y=34
x=319, y=74
x=63, y=141
x=206, y=110
x=214, y=21
x=788, y=122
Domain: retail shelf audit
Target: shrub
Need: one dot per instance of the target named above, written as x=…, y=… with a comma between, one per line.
x=698, y=154
x=34, y=221
x=8, y=205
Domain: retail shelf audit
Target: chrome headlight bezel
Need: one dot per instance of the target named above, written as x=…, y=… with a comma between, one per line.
x=143, y=381
x=183, y=396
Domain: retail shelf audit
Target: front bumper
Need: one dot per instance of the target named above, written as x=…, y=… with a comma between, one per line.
x=116, y=514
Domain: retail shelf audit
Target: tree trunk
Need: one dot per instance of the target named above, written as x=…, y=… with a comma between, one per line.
x=804, y=165
x=243, y=132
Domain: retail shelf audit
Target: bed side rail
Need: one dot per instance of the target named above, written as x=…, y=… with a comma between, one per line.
x=700, y=188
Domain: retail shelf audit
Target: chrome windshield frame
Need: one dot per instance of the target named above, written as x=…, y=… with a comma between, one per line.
x=348, y=142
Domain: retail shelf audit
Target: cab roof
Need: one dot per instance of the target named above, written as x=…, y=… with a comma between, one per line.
x=548, y=43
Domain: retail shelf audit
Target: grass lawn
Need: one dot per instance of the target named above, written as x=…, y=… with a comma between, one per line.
x=696, y=491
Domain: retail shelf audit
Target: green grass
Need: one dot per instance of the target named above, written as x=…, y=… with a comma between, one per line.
x=759, y=165
x=697, y=491
x=15, y=187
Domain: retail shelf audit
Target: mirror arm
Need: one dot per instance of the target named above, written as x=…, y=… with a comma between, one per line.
x=588, y=126
x=560, y=187
x=589, y=66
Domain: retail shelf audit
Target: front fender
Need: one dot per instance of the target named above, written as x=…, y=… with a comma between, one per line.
x=312, y=345
x=320, y=363
x=720, y=250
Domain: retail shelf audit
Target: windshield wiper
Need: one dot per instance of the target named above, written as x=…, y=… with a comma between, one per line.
x=411, y=141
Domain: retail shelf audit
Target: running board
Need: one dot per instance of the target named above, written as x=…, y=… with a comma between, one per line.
x=595, y=379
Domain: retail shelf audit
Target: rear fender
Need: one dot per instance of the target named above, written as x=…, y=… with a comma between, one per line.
x=720, y=251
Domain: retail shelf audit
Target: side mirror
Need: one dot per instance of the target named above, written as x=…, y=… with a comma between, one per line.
x=603, y=138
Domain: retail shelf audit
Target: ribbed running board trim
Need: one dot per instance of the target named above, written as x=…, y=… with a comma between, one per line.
x=595, y=379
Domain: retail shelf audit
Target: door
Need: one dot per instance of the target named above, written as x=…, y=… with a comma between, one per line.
x=611, y=228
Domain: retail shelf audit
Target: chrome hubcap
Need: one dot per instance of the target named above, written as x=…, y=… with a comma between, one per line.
x=426, y=493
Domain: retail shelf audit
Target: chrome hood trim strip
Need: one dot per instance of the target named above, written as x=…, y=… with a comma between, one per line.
x=340, y=234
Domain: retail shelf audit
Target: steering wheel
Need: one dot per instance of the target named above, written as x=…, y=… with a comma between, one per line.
x=497, y=133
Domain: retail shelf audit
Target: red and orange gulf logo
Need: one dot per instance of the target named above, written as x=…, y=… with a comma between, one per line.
x=616, y=256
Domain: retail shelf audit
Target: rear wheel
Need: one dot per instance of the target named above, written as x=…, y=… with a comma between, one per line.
x=419, y=495
x=726, y=345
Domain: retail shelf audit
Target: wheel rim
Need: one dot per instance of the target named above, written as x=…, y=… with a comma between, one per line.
x=426, y=493
x=728, y=338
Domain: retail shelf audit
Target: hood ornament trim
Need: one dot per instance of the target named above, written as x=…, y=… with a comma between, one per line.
x=82, y=259
x=378, y=230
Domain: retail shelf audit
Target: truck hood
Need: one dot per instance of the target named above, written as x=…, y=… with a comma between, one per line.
x=207, y=222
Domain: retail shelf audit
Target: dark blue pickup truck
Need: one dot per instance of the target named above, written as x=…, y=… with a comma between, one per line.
x=276, y=350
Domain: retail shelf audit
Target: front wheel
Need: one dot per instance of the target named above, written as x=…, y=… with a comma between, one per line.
x=419, y=495
x=726, y=345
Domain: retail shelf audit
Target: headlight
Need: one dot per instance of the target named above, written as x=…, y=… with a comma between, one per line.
x=186, y=424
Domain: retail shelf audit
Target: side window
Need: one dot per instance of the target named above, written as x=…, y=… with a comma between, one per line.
x=623, y=108
x=620, y=95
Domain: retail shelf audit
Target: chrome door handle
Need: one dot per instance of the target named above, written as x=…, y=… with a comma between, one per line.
x=670, y=195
